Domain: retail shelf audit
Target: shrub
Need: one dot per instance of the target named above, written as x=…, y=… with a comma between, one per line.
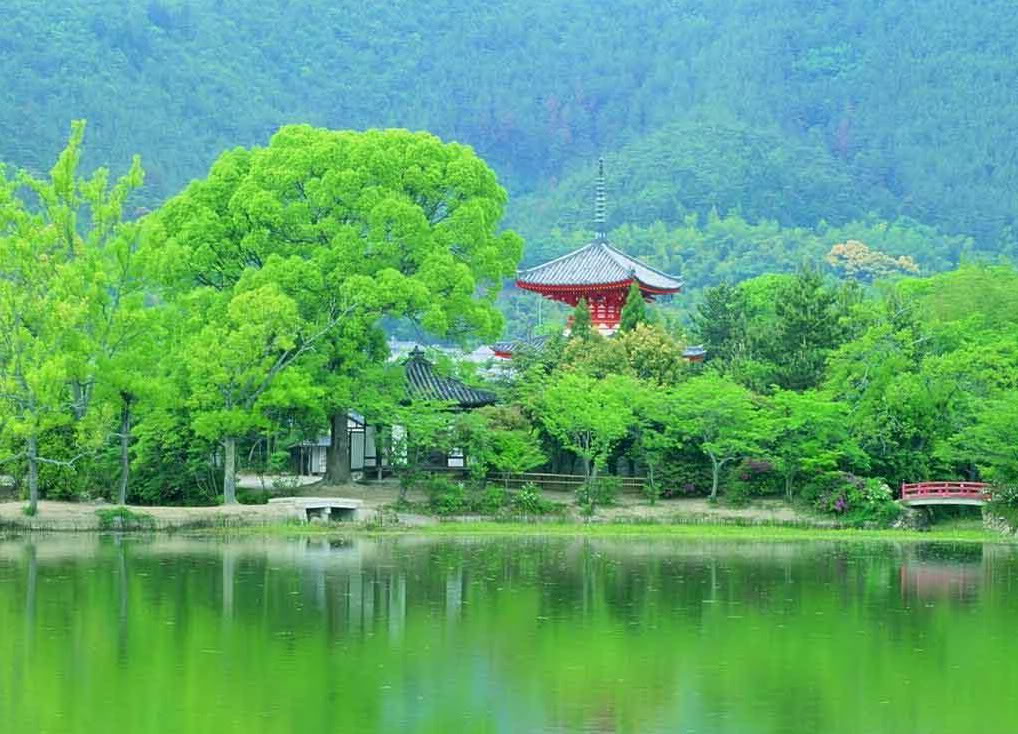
x=491, y=500
x=446, y=497
x=752, y=478
x=599, y=492
x=253, y=496
x=683, y=473
x=1006, y=494
x=279, y=462
x=651, y=491
x=859, y=501
x=528, y=501
x=1004, y=503
x=123, y=518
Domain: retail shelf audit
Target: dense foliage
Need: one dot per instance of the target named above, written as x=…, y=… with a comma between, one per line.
x=790, y=111
x=815, y=390
x=247, y=309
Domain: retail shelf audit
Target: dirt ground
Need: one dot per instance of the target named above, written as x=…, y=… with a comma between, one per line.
x=82, y=516
x=379, y=495
x=629, y=506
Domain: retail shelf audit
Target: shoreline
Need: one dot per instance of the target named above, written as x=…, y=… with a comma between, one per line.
x=274, y=521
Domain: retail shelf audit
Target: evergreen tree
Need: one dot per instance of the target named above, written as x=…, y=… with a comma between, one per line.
x=808, y=329
x=720, y=322
x=635, y=311
x=581, y=327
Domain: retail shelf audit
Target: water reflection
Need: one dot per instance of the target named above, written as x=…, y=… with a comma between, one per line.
x=943, y=572
x=533, y=634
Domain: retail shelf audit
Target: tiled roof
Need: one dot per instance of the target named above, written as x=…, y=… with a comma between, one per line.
x=511, y=347
x=423, y=383
x=594, y=264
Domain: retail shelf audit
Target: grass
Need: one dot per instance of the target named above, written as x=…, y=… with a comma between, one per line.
x=630, y=529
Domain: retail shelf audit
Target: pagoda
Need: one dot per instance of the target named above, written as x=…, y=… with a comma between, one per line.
x=599, y=273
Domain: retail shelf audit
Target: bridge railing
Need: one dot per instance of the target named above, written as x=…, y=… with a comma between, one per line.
x=975, y=490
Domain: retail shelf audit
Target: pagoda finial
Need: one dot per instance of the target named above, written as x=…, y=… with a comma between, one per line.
x=600, y=204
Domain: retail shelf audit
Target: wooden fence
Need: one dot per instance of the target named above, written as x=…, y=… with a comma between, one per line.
x=562, y=482
x=545, y=481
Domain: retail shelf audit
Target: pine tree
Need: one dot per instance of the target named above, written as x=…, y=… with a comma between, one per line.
x=635, y=310
x=720, y=321
x=808, y=329
x=581, y=327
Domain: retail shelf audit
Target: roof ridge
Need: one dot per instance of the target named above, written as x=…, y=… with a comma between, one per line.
x=560, y=258
x=613, y=251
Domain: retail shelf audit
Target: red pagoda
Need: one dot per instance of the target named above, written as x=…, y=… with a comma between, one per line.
x=599, y=273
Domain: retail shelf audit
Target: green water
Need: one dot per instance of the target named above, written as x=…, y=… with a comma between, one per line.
x=506, y=635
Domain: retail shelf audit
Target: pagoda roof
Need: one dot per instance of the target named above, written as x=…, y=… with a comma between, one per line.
x=424, y=384
x=598, y=263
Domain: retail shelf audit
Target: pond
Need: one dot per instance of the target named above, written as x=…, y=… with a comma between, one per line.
x=497, y=634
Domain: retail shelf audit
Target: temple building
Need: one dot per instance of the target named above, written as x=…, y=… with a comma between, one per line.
x=422, y=382
x=597, y=272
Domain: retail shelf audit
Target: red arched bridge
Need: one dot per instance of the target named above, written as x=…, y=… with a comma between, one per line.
x=945, y=493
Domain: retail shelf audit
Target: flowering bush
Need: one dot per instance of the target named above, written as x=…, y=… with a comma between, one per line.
x=528, y=501
x=857, y=501
x=753, y=478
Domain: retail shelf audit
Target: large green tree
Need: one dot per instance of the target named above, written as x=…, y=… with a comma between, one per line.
x=390, y=223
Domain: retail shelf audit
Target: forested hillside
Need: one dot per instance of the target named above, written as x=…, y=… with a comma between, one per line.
x=794, y=111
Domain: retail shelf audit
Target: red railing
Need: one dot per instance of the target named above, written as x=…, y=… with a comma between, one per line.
x=946, y=490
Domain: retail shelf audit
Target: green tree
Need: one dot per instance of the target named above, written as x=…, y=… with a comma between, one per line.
x=38, y=317
x=990, y=441
x=718, y=416
x=245, y=341
x=400, y=223
x=634, y=312
x=588, y=416
x=500, y=438
x=420, y=428
x=808, y=328
x=720, y=322
x=73, y=256
x=581, y=328
x=811, y=437
x=647, y=352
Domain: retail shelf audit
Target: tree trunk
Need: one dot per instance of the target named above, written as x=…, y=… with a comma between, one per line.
x=337, y=455
x=715, y=472
x=788, y=487
x=33, y=475
x=125, y=449
x=230, y=471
